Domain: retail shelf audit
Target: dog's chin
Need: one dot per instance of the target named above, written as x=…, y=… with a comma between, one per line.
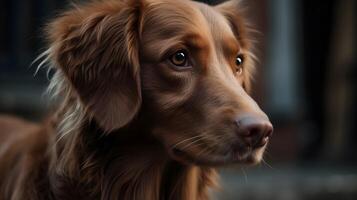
x=247, y=156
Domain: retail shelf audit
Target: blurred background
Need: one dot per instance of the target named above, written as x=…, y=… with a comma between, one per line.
x=306, y=82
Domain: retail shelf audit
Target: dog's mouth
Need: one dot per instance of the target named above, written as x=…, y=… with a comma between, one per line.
x=243, y=155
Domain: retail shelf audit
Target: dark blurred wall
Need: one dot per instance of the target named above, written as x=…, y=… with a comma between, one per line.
x=318, y=20
x=21, y=40
x=340, y=91
x=329, y=61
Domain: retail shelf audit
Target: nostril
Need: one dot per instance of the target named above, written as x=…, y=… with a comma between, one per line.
x=254, y=130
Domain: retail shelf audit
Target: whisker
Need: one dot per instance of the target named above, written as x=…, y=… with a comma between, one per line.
x=185, y=140
x=245, y=175
x=263, y=161
x=204, y=150
x=210, y=149
x=195, y=142
x=202, y=137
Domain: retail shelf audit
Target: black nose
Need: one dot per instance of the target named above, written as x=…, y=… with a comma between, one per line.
x=254, y=130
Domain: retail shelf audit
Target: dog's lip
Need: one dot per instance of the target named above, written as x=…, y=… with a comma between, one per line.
x=185, y=157
x=240, y=147
x=261, y=143
x=231, y=157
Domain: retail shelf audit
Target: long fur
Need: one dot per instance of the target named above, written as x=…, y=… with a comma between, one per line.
x=115, y=116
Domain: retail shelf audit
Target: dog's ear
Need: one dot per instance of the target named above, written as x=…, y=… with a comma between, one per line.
x=235, y=13
x=96, y=48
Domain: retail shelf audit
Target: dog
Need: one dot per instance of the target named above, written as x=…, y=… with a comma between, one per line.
x=152, y=97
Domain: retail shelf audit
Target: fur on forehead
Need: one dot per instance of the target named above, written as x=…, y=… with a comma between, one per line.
x=168, y=22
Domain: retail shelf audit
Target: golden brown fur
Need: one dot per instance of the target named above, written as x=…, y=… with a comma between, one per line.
x=129, y=124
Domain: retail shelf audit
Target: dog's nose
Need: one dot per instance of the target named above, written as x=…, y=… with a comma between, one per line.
x=254, y=130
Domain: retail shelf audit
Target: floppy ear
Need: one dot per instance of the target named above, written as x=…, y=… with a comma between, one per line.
x=234, y=11
x=96, y=48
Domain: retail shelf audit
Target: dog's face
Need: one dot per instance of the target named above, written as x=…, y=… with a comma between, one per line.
x=188, y=64
x=195, y=70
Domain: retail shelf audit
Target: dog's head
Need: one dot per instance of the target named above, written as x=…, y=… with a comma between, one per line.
x=186, y=64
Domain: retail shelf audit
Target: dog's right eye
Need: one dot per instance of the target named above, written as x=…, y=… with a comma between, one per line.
x=239, y=64
x=179, y=58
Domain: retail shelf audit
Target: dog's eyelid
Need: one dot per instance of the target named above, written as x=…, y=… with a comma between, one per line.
x=173, y=49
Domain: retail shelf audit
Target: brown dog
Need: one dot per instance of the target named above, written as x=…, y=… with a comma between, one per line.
x=152, y=98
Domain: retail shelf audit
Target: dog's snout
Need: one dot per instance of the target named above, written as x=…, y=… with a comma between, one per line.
x=254, y=130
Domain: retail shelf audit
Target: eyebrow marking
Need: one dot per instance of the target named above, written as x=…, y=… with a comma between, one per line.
x=189, y=41
x=230, y=46
x=196, y=41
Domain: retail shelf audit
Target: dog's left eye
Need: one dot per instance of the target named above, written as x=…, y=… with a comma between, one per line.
x=239, y=64
x=179, y=58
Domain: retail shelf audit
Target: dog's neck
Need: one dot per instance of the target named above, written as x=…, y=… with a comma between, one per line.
x=125, y=165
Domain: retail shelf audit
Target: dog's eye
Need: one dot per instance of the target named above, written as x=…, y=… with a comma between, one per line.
x=179, y=58
x=239, y=64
